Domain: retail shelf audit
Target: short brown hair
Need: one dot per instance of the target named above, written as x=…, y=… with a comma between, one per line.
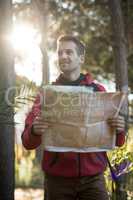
x=80, y=45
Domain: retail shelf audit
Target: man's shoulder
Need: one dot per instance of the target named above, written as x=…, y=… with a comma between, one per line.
x=89, y=81
x=99, y=86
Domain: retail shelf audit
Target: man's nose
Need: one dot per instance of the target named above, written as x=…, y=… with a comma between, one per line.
x=64, y=55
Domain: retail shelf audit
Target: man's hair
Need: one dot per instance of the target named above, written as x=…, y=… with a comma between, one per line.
x=80, y=45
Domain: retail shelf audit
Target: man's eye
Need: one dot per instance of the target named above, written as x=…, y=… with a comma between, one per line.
x=68, y=52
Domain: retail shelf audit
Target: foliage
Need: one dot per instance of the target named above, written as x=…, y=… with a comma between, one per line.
x=117, y=156
x=27, y=168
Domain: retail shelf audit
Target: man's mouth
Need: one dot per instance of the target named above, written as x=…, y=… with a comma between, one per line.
x=64, y=63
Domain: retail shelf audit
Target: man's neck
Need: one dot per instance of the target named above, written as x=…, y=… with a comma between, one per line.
x=73, y=76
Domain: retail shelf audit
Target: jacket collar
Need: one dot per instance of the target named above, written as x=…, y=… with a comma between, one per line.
x=87, y=79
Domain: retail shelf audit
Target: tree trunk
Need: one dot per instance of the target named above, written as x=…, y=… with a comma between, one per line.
x=120, y=50
x=121, y=71
x=44, y=30
x=42, y=8
x=45, y=63
x=6, y=111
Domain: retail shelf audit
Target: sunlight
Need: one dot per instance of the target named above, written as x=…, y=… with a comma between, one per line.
x=25, y=41
x=28, y=56
x=24, y=37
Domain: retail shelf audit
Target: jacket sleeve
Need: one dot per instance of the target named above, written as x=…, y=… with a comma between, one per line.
x=120, y=137
x=29, y=140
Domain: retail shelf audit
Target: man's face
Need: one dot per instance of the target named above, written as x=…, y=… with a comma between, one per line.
x=68, y=58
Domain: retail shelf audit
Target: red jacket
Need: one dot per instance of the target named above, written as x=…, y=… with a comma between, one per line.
x=68, y=164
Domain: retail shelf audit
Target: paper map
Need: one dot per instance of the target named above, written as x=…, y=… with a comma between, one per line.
x=79, y=118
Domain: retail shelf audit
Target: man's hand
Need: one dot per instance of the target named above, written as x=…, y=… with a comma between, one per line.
x=40, y=125
x=117, y=123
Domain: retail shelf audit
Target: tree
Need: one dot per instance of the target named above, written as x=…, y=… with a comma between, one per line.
x=119, y=45
x=121, y=70
x=6, y=111
x=41, y=9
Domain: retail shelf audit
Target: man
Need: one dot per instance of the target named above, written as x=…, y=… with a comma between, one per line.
x=69, y=175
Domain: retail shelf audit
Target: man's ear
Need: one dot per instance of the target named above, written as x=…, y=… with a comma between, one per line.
x=82, y=59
